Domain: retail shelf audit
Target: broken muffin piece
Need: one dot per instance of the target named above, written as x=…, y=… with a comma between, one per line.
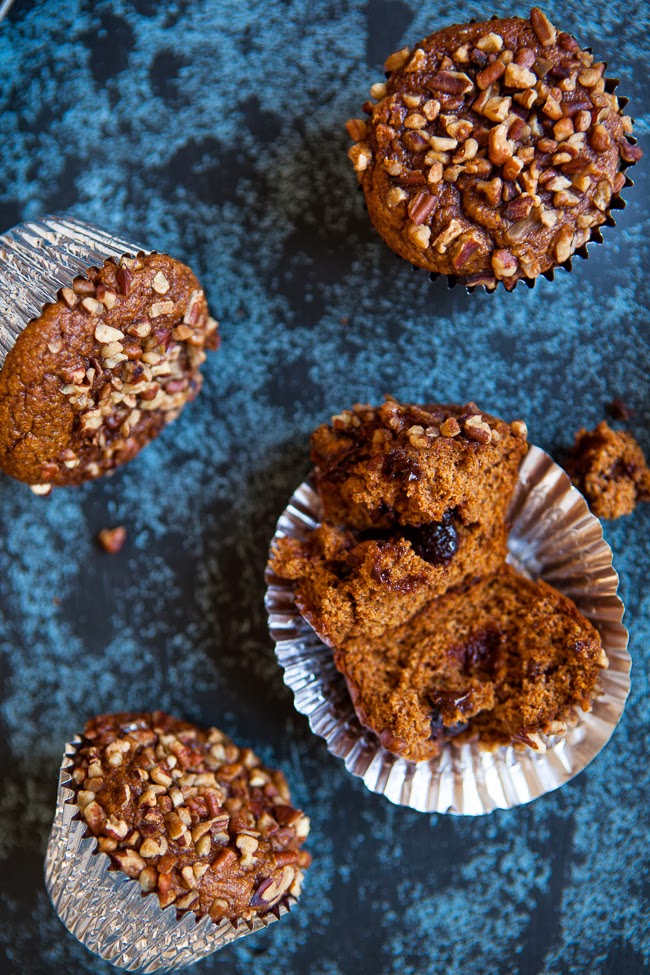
x=409, y=464
x=415, y=501
x=501, y=662
x=350, y=583
x=609, y=468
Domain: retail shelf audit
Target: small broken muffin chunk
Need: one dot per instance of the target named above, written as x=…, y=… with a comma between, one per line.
x=501, y=662
x=610, y=469
x=492, y=151
x=408, y=464
x=189, y=815
x=102, y=370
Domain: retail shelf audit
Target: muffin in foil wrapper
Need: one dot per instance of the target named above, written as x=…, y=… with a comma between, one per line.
x=39, y=257
x=108, y=912
x=554, y=537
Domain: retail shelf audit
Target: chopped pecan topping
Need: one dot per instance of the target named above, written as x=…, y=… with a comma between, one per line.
x=200, y=821
x=397, y=59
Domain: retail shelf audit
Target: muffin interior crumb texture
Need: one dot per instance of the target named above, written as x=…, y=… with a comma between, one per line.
x=102, y=370
x=609, y=468
x=493, y=151
x=501, y=661
x=406, y=579
x=193, y=818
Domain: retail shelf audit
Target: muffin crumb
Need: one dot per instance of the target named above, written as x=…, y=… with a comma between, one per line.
x=112, y=539
x=609, y=468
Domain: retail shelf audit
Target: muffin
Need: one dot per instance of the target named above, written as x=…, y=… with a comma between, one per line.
x=609, y=468
x=183, y=816
x=409, y=464
x=504, y=728
x=414, y=501
x=493, y=151
x=105, y=365
x=501, y=662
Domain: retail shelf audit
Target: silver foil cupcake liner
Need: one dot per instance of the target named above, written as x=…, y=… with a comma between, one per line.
x=108, y=912
x=39, y=257
x=553, y=537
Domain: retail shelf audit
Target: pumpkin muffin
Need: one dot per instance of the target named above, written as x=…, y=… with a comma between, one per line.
x=102, y=370
x=493, y=151
x=500, y=662
x=415, y=501
x=195, y=820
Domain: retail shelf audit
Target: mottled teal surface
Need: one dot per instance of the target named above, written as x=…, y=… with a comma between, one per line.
x=214, y=130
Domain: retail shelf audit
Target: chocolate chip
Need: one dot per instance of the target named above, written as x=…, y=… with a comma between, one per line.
x=437, y=542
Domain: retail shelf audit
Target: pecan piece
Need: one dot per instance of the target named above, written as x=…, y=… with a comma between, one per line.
x=397, y=59
x=504, y=263
x=599, y=138
x=563, y=245
x=544, y=29
x=463, y=250
x=500, y=147
x=451, y=82
x=360, y=156
x=491, y=189
x=517, y=76
x=519, y=208
x=421, y=207
x=357, y=129
x=629, y=153
x=489, y=75
x=477, y=429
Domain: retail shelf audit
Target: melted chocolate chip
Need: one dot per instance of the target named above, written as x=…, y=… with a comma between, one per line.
x=400, y=466
x=437, y=542
x=481, y=651
x=439, y=731
x=449, y=702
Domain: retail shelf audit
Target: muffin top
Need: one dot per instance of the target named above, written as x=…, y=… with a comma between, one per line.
x=609, y=468
x=493, y=150
x=197, y=820
x=102, y=370
x=411, y=464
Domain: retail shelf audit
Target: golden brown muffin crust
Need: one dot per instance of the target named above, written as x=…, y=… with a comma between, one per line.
x=493, y=150
x=102, y=370
x=192, y=817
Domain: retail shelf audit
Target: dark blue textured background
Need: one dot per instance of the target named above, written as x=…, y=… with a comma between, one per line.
x=214, y=130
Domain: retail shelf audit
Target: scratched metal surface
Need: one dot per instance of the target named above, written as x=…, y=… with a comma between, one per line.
x=214, y=131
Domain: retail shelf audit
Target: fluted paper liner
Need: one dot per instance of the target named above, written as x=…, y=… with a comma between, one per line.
x=554, y=537
x=39, y=257
x=108, y=912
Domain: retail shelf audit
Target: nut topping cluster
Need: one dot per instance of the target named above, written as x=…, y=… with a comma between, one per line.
x=492, y=151
x=189, y=815
x=421, y=426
